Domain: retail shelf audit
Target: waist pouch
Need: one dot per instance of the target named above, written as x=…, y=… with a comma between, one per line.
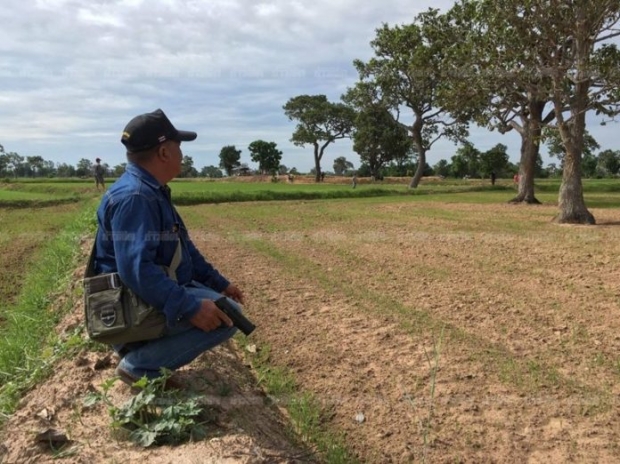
x=114, y=314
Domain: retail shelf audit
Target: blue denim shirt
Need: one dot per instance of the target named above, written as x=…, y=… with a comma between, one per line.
x=138, y=233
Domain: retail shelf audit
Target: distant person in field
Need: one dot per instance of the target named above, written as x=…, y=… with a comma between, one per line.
x=322, y=176
x=516, y=179
x=99, y=171
x=354, y=181
x=140, y=231
x=493, y=177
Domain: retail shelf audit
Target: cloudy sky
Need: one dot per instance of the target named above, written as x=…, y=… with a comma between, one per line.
x=74, y=72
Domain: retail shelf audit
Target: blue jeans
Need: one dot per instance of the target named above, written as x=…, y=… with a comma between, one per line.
x=180, y=344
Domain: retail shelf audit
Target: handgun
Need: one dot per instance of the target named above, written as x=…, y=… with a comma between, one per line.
x=239, y=320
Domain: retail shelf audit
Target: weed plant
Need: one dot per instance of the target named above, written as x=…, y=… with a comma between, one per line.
x=154, y=416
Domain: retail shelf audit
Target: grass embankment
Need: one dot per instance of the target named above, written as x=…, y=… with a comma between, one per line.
x=28, y=345
x=38, y=192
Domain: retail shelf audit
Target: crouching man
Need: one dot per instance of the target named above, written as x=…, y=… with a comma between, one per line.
x=140, y=233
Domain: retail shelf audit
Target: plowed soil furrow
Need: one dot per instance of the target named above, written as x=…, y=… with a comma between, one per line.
x=550, y=396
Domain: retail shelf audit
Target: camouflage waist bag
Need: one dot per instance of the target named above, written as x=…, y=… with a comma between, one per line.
x=114, y=314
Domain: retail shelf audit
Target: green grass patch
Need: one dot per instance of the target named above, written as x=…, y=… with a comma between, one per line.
x=36, y=195
x=28, y=342
x=309, y=416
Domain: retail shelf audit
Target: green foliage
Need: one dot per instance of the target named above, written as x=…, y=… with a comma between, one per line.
x=211, y=172
x=409, y=70
x=318, y=119
x=266, y=154
x=556, y=147
x=379, y=139
x=442, y=168
x=466, y=162
x=27, y=327
x=342, y=166
x=229, y=158
x=84, y=168
x=154, y=416
x=608, y=163
x=319, y=123
x=187, y=167
x=494, y=160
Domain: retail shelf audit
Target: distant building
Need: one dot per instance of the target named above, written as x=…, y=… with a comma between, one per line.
x=242, y=170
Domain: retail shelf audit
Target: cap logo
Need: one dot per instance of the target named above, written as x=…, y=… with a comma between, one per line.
x=126, y=135
x=162, y=139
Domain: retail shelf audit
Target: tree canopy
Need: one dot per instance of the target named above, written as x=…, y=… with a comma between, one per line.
x=229, y=159
x=379, y=139
x=319, y=123
x=516, y=66
x=407, y=72
x=266, y=155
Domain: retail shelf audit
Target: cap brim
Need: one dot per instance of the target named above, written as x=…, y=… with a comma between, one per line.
x=186, y=136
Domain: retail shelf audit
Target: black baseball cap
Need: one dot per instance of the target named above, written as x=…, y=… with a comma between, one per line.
x=150, y=129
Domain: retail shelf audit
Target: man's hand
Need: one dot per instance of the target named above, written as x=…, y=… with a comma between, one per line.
x=210, y=317
x=232, y=291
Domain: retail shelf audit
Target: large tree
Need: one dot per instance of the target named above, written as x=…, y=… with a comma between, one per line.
x=229, y=159
x=567, y=56
x=319, y=123
x=378, y=139
x=84, y=168
x=495, y=160
x=466, y=161
x=342, y=166
x=490, y=81
x=211, y=171
x=187, y=167
x=583, y=78
x=407, y=72
x=266, y=154
x=34, y=165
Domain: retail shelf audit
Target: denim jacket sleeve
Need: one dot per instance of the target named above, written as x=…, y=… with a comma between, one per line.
x=136, y=226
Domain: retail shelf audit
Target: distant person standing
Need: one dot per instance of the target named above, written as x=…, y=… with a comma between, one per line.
x=354, y=181
x=99, y=171
x=493, y=177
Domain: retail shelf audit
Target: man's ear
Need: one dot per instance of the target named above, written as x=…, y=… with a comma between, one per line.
x=163, y=153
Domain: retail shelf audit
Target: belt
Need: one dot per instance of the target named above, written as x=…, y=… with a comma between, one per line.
x=102, y=282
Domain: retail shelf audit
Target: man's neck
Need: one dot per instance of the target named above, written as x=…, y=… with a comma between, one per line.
x=157, y=172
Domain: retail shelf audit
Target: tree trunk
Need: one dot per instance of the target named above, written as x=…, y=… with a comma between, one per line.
x=572, y=205
x=527, y=166
x=317, y=163
x=418, y=143
x=420, y=169
x=530, y=146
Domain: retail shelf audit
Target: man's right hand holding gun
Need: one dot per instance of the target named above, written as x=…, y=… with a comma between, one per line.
x=212, y=314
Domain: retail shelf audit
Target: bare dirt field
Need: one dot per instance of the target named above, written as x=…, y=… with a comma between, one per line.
x=430, y=332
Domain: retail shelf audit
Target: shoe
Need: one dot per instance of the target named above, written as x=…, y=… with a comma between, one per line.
x=171, y=383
